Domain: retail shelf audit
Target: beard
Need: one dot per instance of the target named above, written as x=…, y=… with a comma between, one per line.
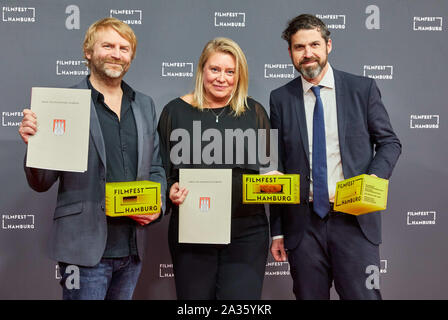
x=312, y=72
x=100, y=67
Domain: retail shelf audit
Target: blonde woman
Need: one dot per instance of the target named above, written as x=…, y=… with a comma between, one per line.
x=220, y=101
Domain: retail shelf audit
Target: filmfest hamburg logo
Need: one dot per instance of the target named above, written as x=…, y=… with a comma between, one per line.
x=279, y=71
x=379, y=72
x=274, y=268
x=383, y=266
x=333, y=21
x=427, y=24
x=71, y=68
x=204, y=204
x=424, y=121
x=166, y=270
x=177, y=69
x=58, y=127
x=418, y=218
x=129, y=16
x=18, y=14
x=17, y=221
x=230, y=19
x=11, y=119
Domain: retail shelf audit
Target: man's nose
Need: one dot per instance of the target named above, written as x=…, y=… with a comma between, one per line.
x=116, y=53
x=308, y=52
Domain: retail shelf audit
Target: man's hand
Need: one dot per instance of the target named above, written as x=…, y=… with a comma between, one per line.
x=178, y=195
x=278, y=250
x=274, y=172
x=143, y=219
x=28, y=126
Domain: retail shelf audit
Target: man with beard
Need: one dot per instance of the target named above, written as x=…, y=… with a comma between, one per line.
x=123, y=146
x=332, y=126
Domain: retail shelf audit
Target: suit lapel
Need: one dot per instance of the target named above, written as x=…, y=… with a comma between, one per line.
x=341, y=108
x=97, y=134
x=139, y=123
x=95, y=128
x=299, y=110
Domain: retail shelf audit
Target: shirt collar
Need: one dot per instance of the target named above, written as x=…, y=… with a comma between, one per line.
x=97, y=96
x=127, y=90
x=327, y=81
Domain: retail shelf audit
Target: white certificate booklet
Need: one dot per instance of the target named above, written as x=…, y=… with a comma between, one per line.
x=206, y=214
x=62, y=138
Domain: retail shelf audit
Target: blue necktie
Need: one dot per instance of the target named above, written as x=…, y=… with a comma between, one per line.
x=321, y=203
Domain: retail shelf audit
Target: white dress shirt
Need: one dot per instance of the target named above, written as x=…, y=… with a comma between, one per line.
x=334, y=164
x=328, y=96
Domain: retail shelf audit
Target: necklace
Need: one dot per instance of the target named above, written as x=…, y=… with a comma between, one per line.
x=217, y=115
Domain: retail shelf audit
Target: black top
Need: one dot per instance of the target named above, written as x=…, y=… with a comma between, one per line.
x=120, y=140
x=179, y=114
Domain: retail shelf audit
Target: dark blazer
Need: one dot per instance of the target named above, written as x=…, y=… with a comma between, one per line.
x=366, y=139
x=79, y=224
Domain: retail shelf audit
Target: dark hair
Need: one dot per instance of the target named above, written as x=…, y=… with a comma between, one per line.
x=308, y=22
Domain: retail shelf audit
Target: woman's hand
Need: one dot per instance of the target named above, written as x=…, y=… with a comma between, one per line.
x=177, y=195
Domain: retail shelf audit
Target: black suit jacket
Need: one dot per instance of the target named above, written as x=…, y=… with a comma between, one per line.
x=366, y=139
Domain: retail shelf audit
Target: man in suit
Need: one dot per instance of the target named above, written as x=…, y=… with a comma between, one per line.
x=123, y=146
x=332, y=126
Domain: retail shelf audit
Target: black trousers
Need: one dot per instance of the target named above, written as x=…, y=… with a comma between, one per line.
x=334, y=249
x=223, y=272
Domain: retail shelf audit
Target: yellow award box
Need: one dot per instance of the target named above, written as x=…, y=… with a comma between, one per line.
x=132, y=198
x=259, y=188
x=361, y=194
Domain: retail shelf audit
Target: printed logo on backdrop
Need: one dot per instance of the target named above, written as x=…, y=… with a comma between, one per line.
x=333, y=21
x=57, y=272
x=71, y=68
x=230, y=19
x=166, y=270
x=383, y=266
x=18, y=14
x=418, y=218
x=129, y=16
x=177, y=69
x=17, y=221
x=424, y=121
x=277, y=269
x=11, y=119
x=427, y=24
x=379, y=72
x=279, y=71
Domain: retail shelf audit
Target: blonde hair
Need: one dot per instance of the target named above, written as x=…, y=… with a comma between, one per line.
x=122, y=28
x=238, y=97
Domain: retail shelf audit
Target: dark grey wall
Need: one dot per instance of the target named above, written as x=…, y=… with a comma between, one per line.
x=401, y=43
